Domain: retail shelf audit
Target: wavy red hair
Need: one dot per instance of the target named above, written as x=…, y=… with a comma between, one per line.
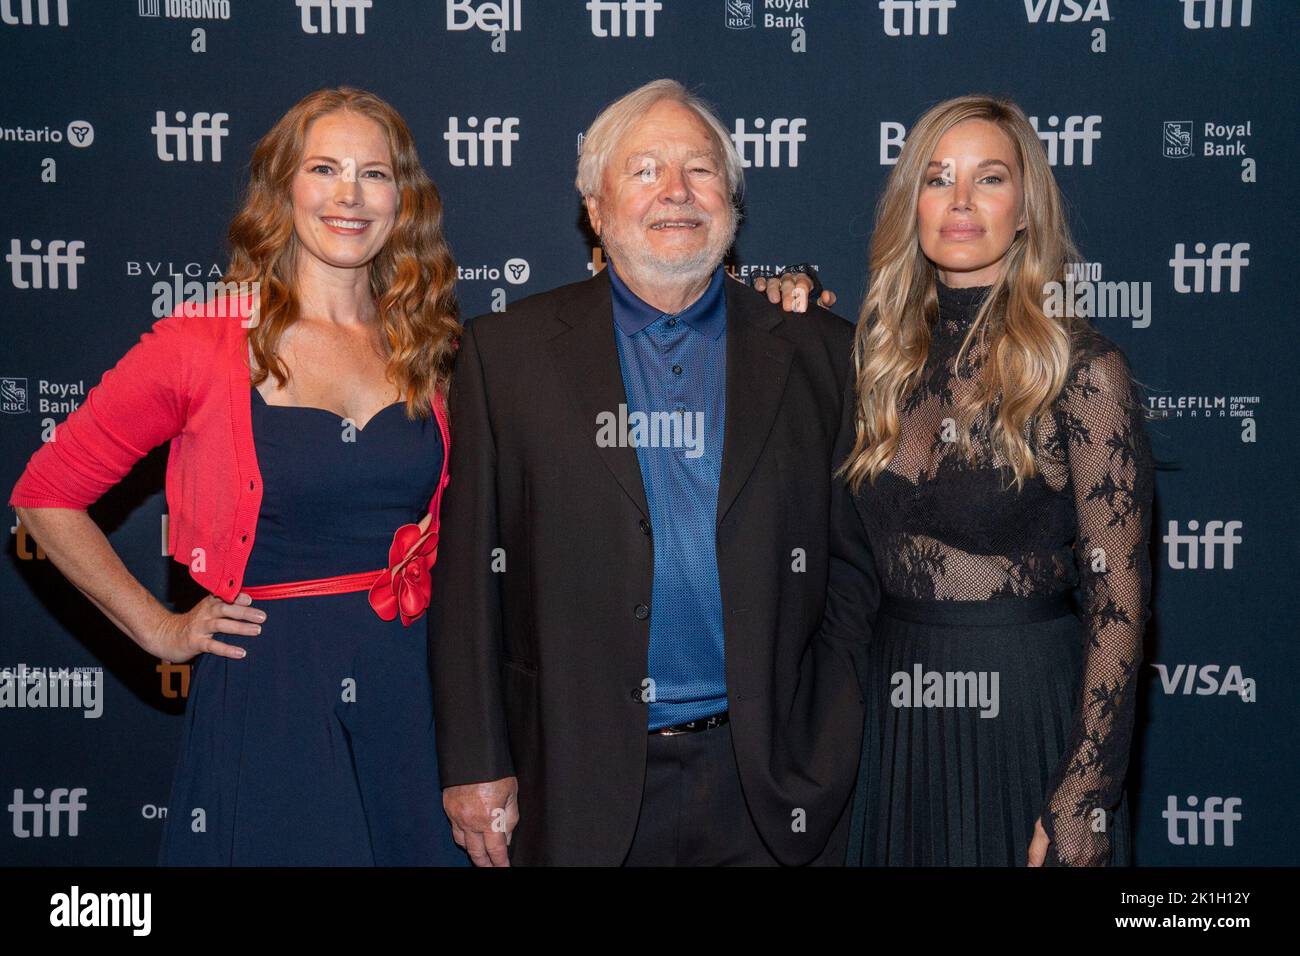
x=413, y=278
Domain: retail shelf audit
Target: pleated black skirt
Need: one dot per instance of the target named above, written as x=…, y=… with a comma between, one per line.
x=969, y=708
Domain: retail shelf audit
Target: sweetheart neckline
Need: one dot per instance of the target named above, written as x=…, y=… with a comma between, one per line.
x=328, y=411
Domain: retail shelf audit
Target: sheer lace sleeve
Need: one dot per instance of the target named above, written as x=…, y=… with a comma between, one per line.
x=1100, y=430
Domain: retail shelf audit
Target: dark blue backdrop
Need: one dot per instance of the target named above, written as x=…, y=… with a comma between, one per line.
x=1169, y=122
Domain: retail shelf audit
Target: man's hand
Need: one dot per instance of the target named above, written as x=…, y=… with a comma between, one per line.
x=483, y=816
x=790, y=291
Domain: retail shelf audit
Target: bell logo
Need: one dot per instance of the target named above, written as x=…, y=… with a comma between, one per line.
x=489, y=17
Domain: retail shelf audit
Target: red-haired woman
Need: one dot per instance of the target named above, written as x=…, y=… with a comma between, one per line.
x=994, y=459
x=308, y=449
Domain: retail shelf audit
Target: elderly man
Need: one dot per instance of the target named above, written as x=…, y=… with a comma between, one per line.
x=627, y=658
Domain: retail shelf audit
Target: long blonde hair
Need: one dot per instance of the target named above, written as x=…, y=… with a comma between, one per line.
x=1028, y=351
x=413, y=278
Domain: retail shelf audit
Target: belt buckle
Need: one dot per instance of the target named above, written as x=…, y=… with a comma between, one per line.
x=692, y=726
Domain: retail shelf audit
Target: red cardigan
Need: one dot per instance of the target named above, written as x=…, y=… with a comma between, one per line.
x=186, y=380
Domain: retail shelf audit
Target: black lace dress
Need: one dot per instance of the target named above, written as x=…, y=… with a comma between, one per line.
x=991, y=699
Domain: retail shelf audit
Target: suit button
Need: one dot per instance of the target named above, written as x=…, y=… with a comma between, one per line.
x=636, y=693
x=642, y=612
x=644, y=526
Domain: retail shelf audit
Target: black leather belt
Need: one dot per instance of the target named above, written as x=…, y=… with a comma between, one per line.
x=694, y=726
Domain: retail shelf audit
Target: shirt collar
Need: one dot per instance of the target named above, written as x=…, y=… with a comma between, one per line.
x=706, y=315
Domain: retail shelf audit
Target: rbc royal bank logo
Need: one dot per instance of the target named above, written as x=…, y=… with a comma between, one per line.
x=13, y=396
x=738, y=14
x=1178, y=139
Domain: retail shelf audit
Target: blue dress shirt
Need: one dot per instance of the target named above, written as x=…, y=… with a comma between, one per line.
x=675, y=375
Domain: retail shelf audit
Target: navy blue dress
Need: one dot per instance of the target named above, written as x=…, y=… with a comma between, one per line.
x=317, y=748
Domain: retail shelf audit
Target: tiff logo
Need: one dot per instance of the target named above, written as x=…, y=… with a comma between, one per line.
x=1216, y=534
x=783, y=133
x=341, y=8
x=61, y=802
x=495, y=130
x=25, y=15
x=1067, y=137
x=1191, y=22
x=189, y=140
x=922, y=10
x=1218, y=809
x=622, y=17
x=57, y=253
x=1229, y=255
x=490, y=17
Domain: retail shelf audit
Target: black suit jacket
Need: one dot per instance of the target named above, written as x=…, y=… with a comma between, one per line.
x=538, y=668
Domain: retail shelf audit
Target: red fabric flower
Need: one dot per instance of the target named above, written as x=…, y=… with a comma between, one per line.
x=406, y=586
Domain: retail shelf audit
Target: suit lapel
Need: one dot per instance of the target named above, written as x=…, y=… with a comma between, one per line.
x=758, y=364
x=586, y=358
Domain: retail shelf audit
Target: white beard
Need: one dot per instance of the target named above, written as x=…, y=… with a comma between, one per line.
x=635, y=257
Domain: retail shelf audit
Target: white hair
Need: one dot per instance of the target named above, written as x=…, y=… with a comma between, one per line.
x=603, y=135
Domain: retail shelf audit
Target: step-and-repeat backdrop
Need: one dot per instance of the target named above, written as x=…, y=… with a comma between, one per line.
x=125, y=131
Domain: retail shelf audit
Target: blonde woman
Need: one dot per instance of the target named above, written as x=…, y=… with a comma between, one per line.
x=308, y=456
x=995, y=459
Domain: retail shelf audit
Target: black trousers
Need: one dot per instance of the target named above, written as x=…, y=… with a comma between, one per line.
x=693, y=810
